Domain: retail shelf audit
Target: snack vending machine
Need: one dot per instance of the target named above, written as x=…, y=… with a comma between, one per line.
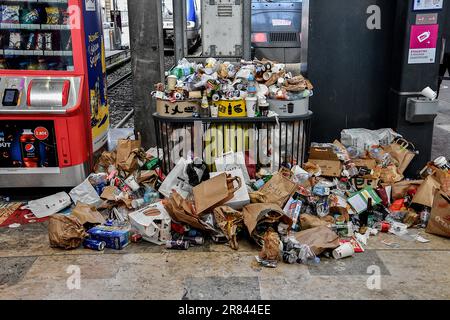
x=53, y=105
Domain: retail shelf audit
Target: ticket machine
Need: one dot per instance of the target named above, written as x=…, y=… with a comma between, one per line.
x=53, y=105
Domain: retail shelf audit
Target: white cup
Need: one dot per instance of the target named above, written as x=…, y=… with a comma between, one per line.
x=429, y=93
x=132, y=183
x=251, y=103
x=214, y=111
x=344, y=251
x=171, y=82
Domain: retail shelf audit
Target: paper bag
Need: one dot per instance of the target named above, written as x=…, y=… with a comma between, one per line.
x=87, y=214
x=426, y=192
x=229, y=221
x=232, y=161
x=318, y=239
x=271, y=248
x=400, y=189
x=308, y=221
x=125, y=159
x=241, y=197
x=177, y=180
x=153, y=223
x=401, y=154
x=65, y=232
x=278, y=190
x=267, y=214
x=439, y=222
x=215, y=192
x=390, y=174
x=182, y=211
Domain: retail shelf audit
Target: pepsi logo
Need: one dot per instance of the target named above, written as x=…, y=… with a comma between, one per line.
x=29, y=147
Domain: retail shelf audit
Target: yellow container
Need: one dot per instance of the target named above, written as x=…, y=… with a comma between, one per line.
x=231, y=108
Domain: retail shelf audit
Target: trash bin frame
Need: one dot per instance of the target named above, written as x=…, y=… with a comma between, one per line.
x=293, y=135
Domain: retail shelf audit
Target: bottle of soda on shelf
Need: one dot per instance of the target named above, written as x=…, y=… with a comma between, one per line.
x=30, y=153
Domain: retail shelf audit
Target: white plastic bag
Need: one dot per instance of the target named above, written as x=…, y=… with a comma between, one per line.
x=177, y=180
x=153, y=223
x=363, y=139
x=49, y=206
x=233, y=161
x=86, y=194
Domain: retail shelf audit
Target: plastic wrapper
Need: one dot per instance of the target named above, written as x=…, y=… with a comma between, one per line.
x=52, y=15
x=31, y=43
x=30, y=16
x=65, y=16
x=10, y=14
x=363, y=139
x=15, y=41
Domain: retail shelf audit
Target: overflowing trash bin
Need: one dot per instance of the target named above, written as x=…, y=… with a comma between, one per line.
x=347, y=191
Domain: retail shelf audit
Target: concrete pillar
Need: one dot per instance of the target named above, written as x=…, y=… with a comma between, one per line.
x=147, y=51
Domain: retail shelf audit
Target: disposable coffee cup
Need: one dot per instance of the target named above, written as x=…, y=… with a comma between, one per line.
x=251, y=103
x=264, y=108
x=138, y=203
x=429, y=93
x=171, y=82
x=132, y=183
x=344, y=251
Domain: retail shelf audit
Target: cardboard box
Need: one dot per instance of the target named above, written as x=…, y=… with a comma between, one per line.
x=359, y=201
x=327, y=160
x=369, y=163
x=114, y=237
x=177, y=109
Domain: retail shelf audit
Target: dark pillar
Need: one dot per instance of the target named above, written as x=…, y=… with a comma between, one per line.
x=408, y=79
x=146, y=40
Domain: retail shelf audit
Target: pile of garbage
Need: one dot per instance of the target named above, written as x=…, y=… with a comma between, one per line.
x=224, y=89
x=348, y=191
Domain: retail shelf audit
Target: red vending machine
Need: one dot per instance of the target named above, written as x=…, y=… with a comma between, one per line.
x=53, y=105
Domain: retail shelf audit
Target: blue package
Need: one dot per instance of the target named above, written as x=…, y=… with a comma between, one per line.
x=115, y=238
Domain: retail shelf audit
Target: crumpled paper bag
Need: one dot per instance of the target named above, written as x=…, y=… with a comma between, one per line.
x=87, y=214
x=271, y=248
x=318, y=239
x=229, y=221
x=65, y=232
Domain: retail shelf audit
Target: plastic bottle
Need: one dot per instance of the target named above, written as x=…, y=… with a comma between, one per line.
x=204, y=111
x=424, y=217
x=30, y=154
x=251, y=88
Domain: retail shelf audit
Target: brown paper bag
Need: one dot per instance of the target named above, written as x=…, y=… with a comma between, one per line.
x=439, y=223
x=215, y=192
x=125, y=159
x=308, y=221
x=319, y=239
x=110, y=193
x=229, y=221
x=390, y=174
x=263, y=213
x=271, y=248
x=87, y=214
x=183, y=211
x=65, y=232
x=426, y=192
x=278, y=190
x=401, y=154
x=400, y=189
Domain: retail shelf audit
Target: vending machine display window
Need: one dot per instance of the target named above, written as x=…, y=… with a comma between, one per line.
x=35, y=35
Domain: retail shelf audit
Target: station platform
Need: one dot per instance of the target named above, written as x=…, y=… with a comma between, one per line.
x=116, y=57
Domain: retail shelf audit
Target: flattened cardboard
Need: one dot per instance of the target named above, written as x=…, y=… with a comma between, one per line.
x=327, y=160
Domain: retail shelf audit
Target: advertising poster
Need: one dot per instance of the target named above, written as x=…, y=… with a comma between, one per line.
x=423, y=44
x=96, y=65
x=428, y=4
x=28, y=144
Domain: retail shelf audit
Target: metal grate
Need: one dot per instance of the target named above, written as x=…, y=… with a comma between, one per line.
x=283, y=37
x=224, y=10
x=267, y=142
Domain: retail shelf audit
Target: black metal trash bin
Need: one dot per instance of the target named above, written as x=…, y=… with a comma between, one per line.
x=269, y=142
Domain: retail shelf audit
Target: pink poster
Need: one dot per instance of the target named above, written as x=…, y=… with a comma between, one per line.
x=423, y=43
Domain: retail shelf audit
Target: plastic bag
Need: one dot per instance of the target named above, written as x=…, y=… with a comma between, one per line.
x=363, y=139
x=177, y=180
x=85, y=193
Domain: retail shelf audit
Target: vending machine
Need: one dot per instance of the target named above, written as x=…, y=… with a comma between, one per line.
x=53, y=106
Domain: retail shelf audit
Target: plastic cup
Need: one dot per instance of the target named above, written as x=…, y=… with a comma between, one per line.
x=251, y=103
x=171, y=82
x=132, y=183
x=344, y=251
x=429, y=93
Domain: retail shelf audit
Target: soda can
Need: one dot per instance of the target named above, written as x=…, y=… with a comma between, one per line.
x=135, y=238
x=177, y=245
x=194, y=240
x=94, y=244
